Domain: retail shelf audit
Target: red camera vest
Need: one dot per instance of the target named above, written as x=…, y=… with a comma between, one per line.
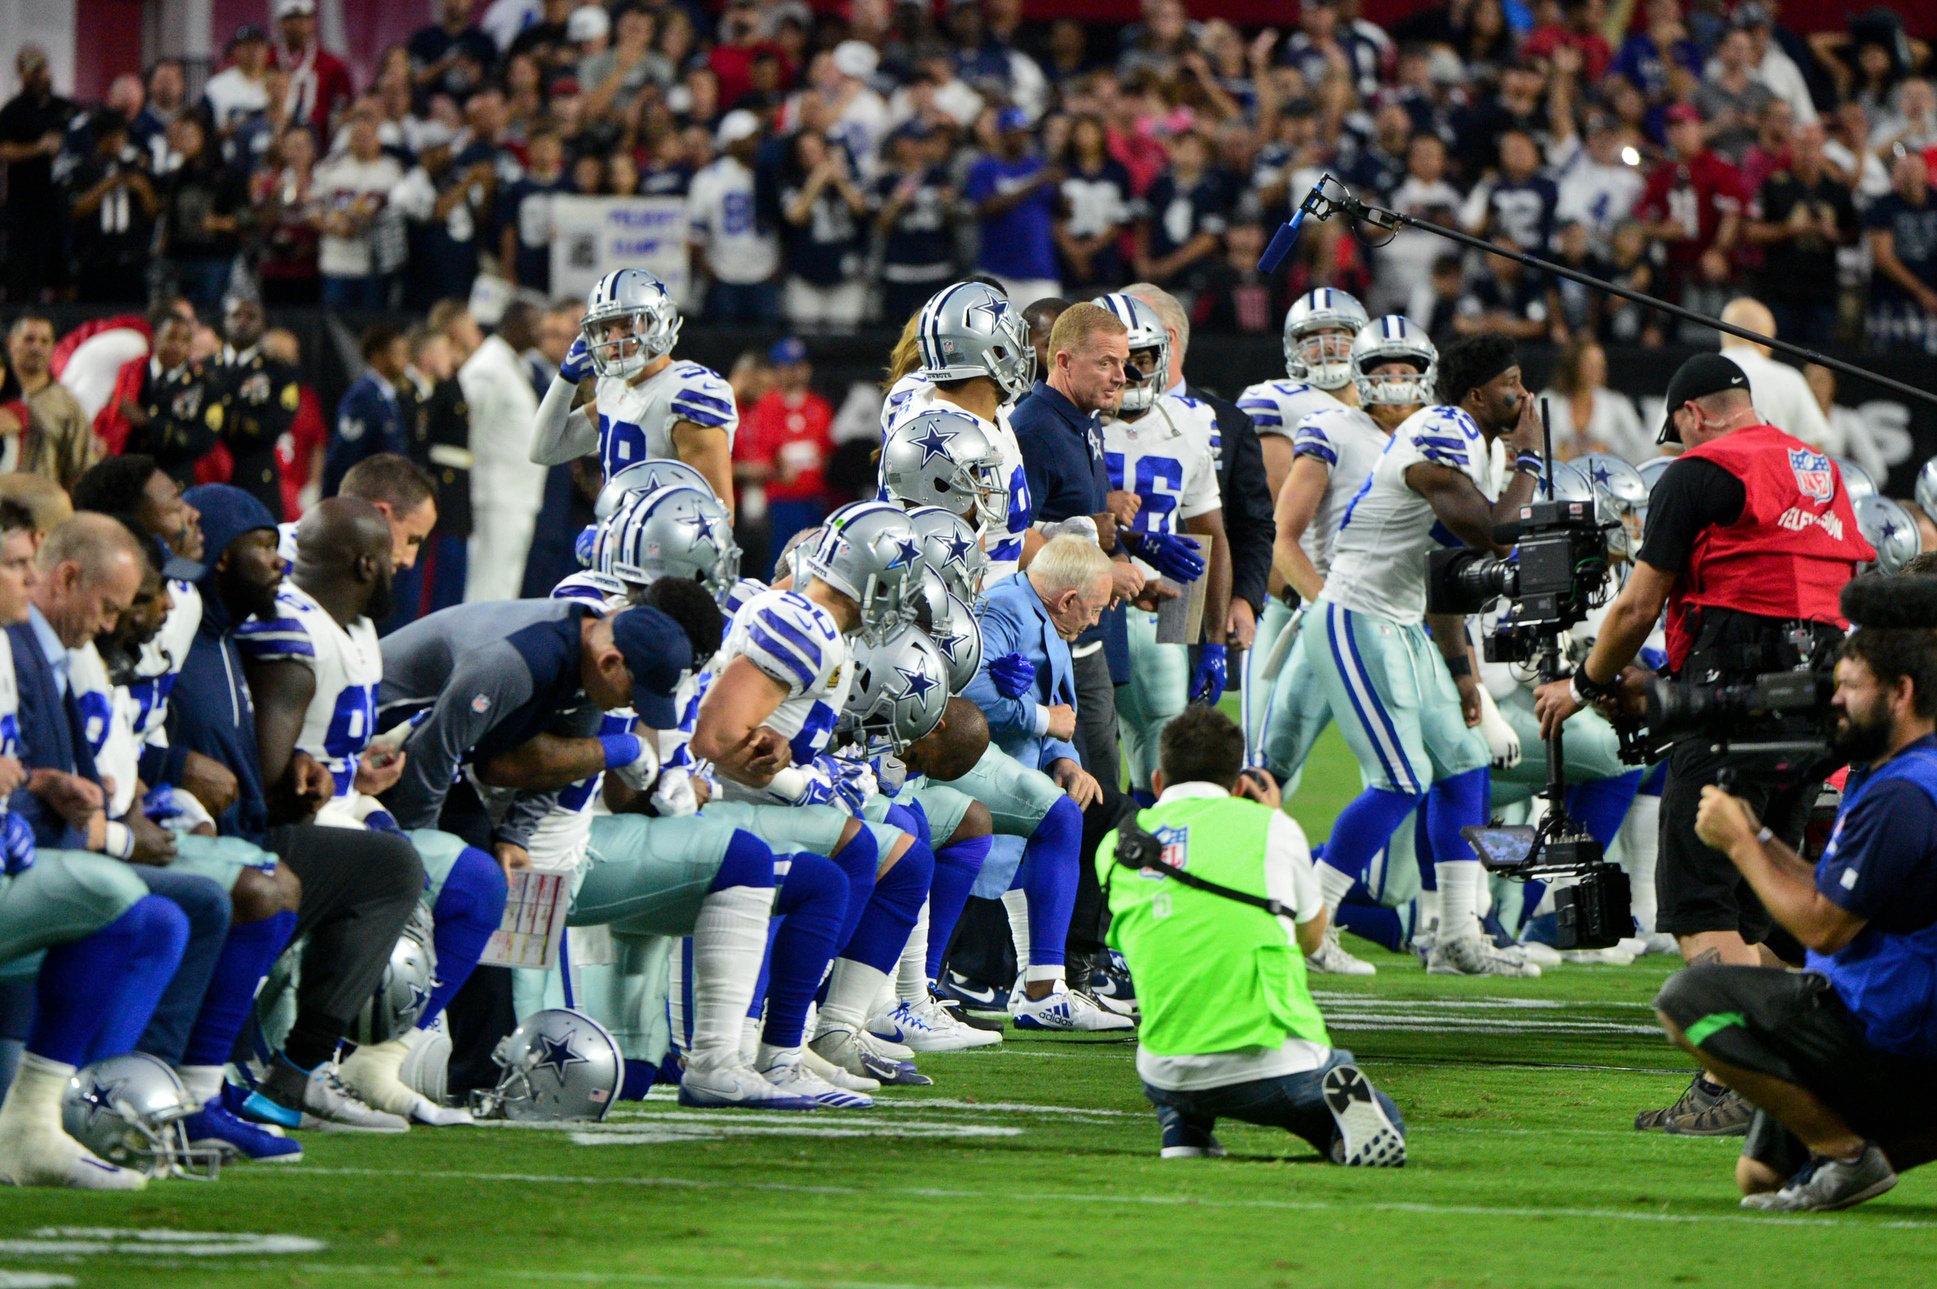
x=1790, y=551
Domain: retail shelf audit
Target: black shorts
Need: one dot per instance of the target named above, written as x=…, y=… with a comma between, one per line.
x=1792, y=1026
x=1697, y=888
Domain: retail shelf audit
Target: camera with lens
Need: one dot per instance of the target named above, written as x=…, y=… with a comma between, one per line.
x=1557, y=573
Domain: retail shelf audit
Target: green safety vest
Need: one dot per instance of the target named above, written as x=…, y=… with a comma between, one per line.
x=1212, y=975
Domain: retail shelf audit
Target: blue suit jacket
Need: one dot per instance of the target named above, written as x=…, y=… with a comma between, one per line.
x=50, y=738
x=1014, y=621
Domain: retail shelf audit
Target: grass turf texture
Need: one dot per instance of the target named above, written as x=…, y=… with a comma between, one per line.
x=1035, y=1164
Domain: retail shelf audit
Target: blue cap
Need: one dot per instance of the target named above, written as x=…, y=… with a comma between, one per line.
x=227, y=513
x=657, y=653
x=1012, y=118
x=790, y=350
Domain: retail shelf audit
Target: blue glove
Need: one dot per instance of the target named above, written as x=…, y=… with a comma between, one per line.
x=383, y=821
x=586, y=544
x=16, y=843
x=1012, y=675
x=1169, y=554
x=161, y=805
x=578, y=362
x=1207, y=686
x=853, y=781
x=1653, y=659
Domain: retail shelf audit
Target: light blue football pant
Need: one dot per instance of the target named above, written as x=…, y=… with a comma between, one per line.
x=65, y=896
x=1256, y=699
x=1158, y=690
x=1393, y=699
x=1590, y=750
x=944, y=807
x=1296, y=715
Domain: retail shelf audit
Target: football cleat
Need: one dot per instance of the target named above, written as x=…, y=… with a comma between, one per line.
x=1539, y=953
x=1613, y=956
x=214, y=1127
x=1367, y=1137
x=736, y=1083
x=46, y=1156
x=1471, y=955
x=317, y=1099
x=974, y=997
x=1335, y=959
x=827, y=1072
x=792, y=1077
x=855, y=1051
x=927, y=1026
x=1065, y=1010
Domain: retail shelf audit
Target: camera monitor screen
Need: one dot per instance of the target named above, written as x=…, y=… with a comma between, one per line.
x=1506, y=847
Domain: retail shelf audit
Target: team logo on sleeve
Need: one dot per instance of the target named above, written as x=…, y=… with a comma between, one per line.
x=1813, y=478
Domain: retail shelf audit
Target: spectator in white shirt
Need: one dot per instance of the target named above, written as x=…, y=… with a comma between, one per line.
x=1781, y=395
x=1586, y=415
x=1599, y=185
x=237, y=92
x=1407, y=258
x=1853, y=434
x=731, y=252
x=352, y=190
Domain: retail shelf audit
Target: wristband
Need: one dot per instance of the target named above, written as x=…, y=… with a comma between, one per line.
x=620, y=749
x=1461, y=667
x=118, y=840
x=789, y=783
x=1529, y=462
x=1587, y=689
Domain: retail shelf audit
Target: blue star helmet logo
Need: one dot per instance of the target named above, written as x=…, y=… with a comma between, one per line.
x=958, y=550
x=1889, y=532
x=934, y=443
x=993, y=305
x=1600, y=473
x=907, y=552
x=947, y=644
x=558, y=1054
x=100, y=1097
x=420, y=997
x=919, y=683
x=701, y=529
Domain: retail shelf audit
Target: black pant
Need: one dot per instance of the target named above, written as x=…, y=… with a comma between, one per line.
x=1096, y=742
x=1697, y=887
x=358, y=892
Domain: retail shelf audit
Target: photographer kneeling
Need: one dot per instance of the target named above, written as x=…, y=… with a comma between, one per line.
x=1839, y=1060
x=1215, y=938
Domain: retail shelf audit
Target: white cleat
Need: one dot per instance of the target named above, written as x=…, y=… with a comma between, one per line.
x=792, y=1077
x=1335, y=959
x=1064, y=1010
x=1471, y=955
x=1540, y=955
x=50, y=1157
x=847, y=1049
x=828, y=1072
x=1660, y=942
x=374, y=1074
x=927, y=1026
x=1615, y=956
x=736, y=1083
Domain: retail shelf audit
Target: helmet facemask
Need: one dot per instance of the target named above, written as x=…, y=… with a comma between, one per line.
x=1394, y=389
x=1141, y=387
x=623, y=343
x=1321, y=357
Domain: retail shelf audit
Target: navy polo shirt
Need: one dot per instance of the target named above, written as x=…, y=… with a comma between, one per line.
x=1062, y=454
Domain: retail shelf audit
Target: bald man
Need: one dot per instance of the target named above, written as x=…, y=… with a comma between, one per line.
x=1780, y=392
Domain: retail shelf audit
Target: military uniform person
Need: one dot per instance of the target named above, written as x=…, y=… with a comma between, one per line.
x=260, y=395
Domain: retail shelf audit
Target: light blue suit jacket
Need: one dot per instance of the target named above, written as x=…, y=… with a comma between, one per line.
x=1015, y=621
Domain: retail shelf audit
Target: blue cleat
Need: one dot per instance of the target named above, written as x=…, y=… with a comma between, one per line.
x=972, y=996
x=215, y=1127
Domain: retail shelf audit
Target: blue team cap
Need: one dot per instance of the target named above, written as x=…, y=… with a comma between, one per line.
x=790, y=350
x=657, y=653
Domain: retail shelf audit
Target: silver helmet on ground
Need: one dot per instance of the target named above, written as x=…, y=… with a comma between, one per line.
x=630, y=320
x=1319, y=329
x=129, y=1110
x=558, y=1064
x=405, y=989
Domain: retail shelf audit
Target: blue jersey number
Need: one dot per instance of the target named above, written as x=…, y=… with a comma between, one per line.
x=621, y=443
x=1153, y=475
x=814, y=733
x=351, y=725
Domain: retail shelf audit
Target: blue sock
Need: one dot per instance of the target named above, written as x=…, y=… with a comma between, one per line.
x=95, y=994
x=1453, y=804
x=1422, y=850
x=1364, y=827
x=748, y=862
x=468, y=910
x=1048, y=875
x=1375, y=922
x=639, y=1078
x=758, y=1006
x=956, y=868
x=1600, y=806
x=857, y=861
x=891, y=911
x=913, y=820
x=812, y=900
x=246, y=957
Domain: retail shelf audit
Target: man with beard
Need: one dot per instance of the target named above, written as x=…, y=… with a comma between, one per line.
x=1838, y=1059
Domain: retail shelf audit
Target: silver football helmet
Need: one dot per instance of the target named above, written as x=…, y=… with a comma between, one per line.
x=558, y=1064
x=675, y=532
x=1857, y=481
x=1927, y=488
x=1146, y=333
x=1387, y=340
x=943, y=458
x=951, y=626
x=949, y=546
x=1319, y=330
x=630, y=319
x=1888, y=528
x=128, y=1110
x=899, y=693
x=405, y=989
x=649, y=475
x=968, y=330
x=869, y=552
x=1627, y=490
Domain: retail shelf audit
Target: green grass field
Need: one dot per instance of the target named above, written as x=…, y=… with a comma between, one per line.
x=1035, y=1164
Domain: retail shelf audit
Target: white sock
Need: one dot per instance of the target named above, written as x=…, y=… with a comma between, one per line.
x=850, y=991
x=1427, y=918
x=769, y=1056
x=33, y=1104
x=1459, y=882
x=911, y=975
x=749, y=1036
x=1640, y=846
x=1483, y=896
x=1016, y=904
x=204, y=1082
x=729, y=943
x=1047, y=971
x=1334, y=884
x=677, y=1020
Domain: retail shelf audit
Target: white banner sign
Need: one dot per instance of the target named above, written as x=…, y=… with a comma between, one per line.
x=592, y=236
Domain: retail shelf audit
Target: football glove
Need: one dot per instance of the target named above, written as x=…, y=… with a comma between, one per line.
x=1012, y=675
x=1207, y=686
x=1168, y=554
x=673, y=794
x=578, y=362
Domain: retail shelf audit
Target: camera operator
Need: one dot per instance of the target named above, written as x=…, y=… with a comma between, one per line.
x=1839, y=1060
x=1229, y=1026
x=1750, y=539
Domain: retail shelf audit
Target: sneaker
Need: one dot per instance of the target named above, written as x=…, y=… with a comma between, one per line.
x=1335, y=959
x=1824, y=1185
x=1066, y=1010
x=972, y=995
x=927, y=1026
x=214, y=1127
x=1469, y=955
x=1211, y=1149
x=1704, y=1110
x=1367, y=1137
x=46, y=1156
x=844, y=1049
x=317, y=1099
x=899, y=1056
x=733, y=1082
x=1110, y=984
x=1185, y=1138
x=796, y=1080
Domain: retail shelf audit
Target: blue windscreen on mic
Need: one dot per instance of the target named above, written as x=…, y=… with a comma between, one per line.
x=1281, y=243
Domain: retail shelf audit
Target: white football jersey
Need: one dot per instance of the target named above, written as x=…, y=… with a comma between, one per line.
x=1347, y=442
x=1379, y=556
x=349, y=668
x=912, y=395
x=797, y=643
x=286, y=541
x=1278, y=406
x=161, y=662
x=1167, y=458
x=636, y=421
x=9, y=702
x=109, y=741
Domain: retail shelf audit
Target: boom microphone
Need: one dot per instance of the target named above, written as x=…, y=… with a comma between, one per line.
x=1316, y=203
